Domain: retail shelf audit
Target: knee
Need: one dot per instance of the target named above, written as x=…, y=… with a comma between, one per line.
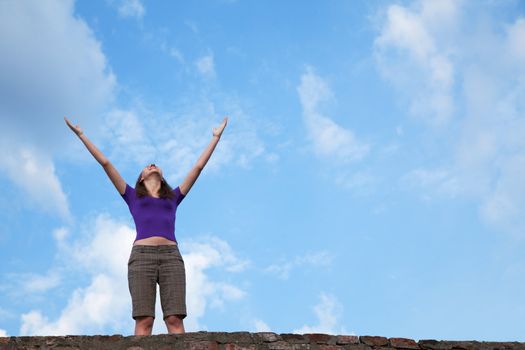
x=144, y=322
x=173, y=320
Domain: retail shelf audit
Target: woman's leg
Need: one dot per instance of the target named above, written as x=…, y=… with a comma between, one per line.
x=172, y=283
x=143, y=325
x=142, y=280
x=174, y=324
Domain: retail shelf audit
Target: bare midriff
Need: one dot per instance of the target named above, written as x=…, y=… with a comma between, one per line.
x=154, y=240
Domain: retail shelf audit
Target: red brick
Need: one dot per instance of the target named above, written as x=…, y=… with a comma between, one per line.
x=372, y=340
x=467, y=345
x=318, y=338
x=268, y=337
x=329, y=347
x=301, y=346
x=347, y=339
x=279, y=345
x=294, y=338
x=428, y=343
x=448, y=344
x=231, y=346
x=114, y=337
x=202, y=345
x=403, y=343
x=166, y=347
x=497, y=345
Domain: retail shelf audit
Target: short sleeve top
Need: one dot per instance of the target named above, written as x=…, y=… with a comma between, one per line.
x=153, y=216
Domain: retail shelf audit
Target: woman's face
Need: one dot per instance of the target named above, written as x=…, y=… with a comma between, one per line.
x=150, y=169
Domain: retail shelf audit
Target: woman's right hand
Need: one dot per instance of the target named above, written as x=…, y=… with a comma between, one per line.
x=110, y=170
x=76, y=128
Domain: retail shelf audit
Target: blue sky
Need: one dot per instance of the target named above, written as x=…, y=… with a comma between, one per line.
x=369, y=182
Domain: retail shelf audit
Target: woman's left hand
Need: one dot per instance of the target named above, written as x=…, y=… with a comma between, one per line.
x=218, y=130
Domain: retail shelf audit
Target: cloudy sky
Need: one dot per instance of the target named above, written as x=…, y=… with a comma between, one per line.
x=369, y=182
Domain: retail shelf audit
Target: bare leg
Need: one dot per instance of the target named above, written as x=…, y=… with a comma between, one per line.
x=174, y=324
x=143, y=325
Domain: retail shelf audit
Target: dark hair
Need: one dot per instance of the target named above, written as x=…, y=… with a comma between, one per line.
x=165, y=190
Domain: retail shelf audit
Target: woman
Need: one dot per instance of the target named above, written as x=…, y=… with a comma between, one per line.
x=155, y=257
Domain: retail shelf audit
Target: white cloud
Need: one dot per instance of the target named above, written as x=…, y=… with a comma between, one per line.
x=328, y=311
x=131, y=9
x=33, y=283
x=206, y=66
x=3, y=333
x=360, y=182
x=192, y=26
x=60, y=234
x=200, y=256
x=283, y=269
x=51, y=66
x=328, y=138
x=491, y=148
x=515, y=39
x=86, y=312
x=409, y=56
x=101, y=249
x=177, y=142
x=128, y=138
x=441, y=181
x=101, y=252
x=175, y=53
x=35, y=174
x=261, y=326
x=505, y=203
x=431, y=50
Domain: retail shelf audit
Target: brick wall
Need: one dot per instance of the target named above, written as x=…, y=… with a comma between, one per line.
x=245, y=341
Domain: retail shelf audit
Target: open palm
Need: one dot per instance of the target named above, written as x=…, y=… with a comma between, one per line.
x=218, y=130
x=76, y=128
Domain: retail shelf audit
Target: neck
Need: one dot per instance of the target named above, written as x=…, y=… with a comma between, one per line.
x=152, y=184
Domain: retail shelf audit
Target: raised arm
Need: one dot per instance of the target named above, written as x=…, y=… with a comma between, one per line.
x=110, y=170
x=203, y=159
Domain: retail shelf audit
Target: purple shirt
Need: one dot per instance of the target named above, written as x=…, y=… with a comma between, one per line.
x=153, y=216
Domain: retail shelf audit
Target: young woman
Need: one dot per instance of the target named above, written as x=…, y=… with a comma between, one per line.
x=155, y=257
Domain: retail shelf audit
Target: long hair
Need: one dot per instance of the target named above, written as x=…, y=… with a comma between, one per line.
x=165, y=190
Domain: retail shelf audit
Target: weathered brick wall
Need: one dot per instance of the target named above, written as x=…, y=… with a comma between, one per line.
x=244, y=341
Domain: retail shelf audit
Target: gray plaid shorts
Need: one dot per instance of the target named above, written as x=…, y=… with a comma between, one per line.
x=162, y=264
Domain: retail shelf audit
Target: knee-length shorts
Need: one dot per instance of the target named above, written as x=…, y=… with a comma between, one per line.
x=152, y=265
